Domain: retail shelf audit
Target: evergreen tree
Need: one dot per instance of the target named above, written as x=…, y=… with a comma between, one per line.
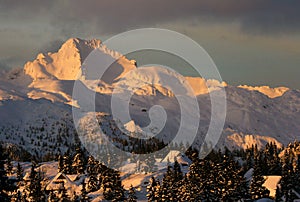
x=230, y=183
x=290, y=177
x=9, y=166
x=63, y=196
x=75, y=197
x=84, y=197
x=91, y=166
x=78, y=161
x=153, y=190
x=52, y=197
x=271, y=160
x=171, y=182
x=17, y=197
x=24, y=197
x=20, y=173
x=6, y=185
x=257, y=190
x=93, y=184
x=131, y=195
x=202, y=178
x=67, y=169
x=112, y=186
x=34, y=189
x=166, y=191
x=150, y=164
x=177, y=172
x=60, y=165
x=188, y=191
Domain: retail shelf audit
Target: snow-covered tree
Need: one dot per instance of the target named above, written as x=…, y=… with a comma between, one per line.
x=257, y=190
x=290, y=180
x=131, y=195
x=230, y=183
x=52, y=197
x=20, y=173
x=3, y=179
x=78, y=161
x=9, y=166
x=93, y=184
x=34, y=189
x=112, y=186
x=84, y=197
x=67, y=169
x=177, y=174
x=17, y=197
x=91, y=166
x=153, y=193
x=6, y=185
x=63, y=196
x=60, y=165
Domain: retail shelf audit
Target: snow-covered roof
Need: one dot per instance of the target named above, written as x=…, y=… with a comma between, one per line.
x=264, y=200
x=73, y=177
x=130, y=126
x=248, y=174
x=27, y=176
x=183, y=160
x=271, y=183
x=58, y=180
x=175, y=154
x=171, y=156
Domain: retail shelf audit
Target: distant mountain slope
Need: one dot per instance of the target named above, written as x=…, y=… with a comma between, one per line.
x=43, y=91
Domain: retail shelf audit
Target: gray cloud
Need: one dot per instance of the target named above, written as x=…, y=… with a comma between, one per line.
x=32, y=26
x=52, y=46
x=264, y=16
x=110, y=16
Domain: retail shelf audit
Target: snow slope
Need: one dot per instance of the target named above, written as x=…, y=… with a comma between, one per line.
x=270, y=92
x=255, y=115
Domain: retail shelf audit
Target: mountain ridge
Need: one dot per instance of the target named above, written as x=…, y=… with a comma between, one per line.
x=259, y=114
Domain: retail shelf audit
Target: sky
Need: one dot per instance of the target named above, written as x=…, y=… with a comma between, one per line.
x=254, y=42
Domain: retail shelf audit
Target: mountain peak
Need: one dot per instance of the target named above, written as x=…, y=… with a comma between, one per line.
x=81, y=44
x=64, y=64
x=267, y=90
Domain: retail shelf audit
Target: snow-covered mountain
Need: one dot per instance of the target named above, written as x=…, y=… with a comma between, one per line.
x=36, y=102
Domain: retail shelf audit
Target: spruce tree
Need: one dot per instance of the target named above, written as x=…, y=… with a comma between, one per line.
x=257, y=190
x=231, y=184
x=17, y=197
x=20, y=173
x=63, y=196
x=93, y=184
x=166, y=192
x=153, y=190
x=150, y=164
x=34, y=189
x=78, y=161
x=112, y=186
x=91, y=166
x=84, y=197
x=52, y=197
x=5, y=184
x=177, y=174
x=202, y=178
x=289, y=177
x=60, y=165
x=131, y=195
x=67, y=169
x=9, y=166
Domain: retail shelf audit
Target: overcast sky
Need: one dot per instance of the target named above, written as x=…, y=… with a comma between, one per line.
x=254, y=42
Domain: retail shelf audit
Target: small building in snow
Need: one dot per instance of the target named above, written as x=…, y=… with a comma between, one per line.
x=271, y=184
x=62, y=180
x=26, y=178
x=173, y=155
